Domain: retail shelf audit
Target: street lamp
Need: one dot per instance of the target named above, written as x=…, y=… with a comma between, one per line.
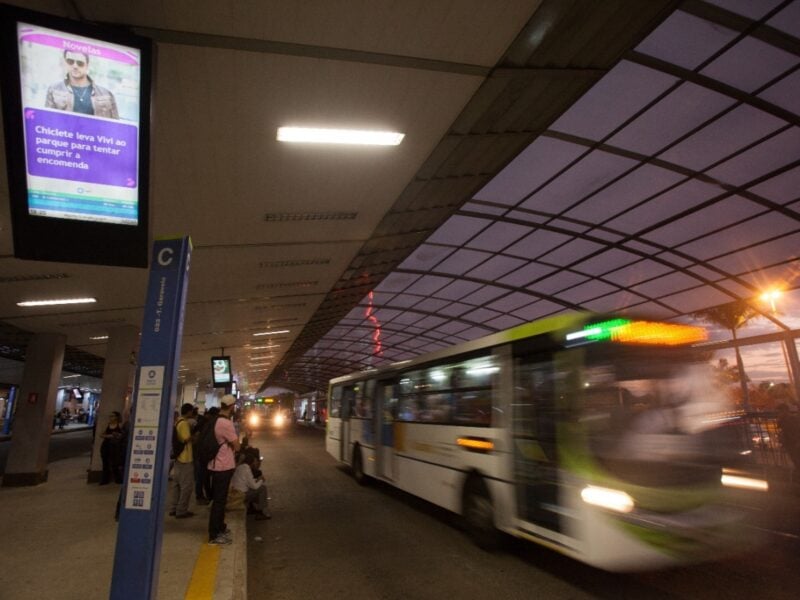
x=771, y=296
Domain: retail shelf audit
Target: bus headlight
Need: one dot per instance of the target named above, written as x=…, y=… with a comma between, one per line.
x=733, y=479
x=253, y=420
x=607, y=498
x=278, y=420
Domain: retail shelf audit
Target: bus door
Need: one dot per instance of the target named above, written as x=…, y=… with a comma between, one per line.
x=348, y=399
x=536, y=458
x=385, y=413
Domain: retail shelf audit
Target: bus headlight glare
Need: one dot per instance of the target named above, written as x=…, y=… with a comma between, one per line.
x=253, y=420
x=744, y=483
x=278, y=420
x=607, y=498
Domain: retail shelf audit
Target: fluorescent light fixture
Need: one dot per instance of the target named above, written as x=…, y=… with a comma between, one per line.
x=99, y=337
x=607, y=498
x=339, y=136
x=69, y=376
x=272, y=332
x=264, y=347
x=57, y=302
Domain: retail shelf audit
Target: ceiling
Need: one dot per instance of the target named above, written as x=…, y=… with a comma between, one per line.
x=558, y=155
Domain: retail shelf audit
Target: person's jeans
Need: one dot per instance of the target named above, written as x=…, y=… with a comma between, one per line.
x=220, y=482
x=202, y=481
x=180, y=487
x=257, y=498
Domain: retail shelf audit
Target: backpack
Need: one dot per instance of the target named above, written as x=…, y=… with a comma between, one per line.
x=207, y=446
x=177, y=445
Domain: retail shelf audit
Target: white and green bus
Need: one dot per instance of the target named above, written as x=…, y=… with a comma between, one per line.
x=606, y=439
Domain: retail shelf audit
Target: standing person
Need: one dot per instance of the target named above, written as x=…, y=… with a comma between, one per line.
x=182, y=482
x=78, y=92
x=222, y=468
x=253, y=488
x=202, y=478
x=112, y=450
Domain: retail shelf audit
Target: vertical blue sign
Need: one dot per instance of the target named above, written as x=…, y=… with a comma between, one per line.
x=138, y=551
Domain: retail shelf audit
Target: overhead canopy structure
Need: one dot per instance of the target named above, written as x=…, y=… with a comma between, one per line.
x=616, y=155
x=671, y=186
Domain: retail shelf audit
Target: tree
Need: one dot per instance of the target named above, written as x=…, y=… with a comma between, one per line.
x=732, y=316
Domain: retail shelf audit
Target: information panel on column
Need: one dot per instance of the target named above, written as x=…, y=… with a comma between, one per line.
x=76, y=109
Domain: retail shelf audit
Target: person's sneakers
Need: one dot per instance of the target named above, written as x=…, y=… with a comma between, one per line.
x=263, y=516
x=185, y=515
x=172, y=513
x=203, y=501
x=221, y=540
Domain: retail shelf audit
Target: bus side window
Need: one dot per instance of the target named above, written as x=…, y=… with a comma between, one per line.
x=348, y=398
x=336, y=402
x=366, y=400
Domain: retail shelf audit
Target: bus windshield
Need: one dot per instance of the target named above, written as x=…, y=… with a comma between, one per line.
x=658, y=422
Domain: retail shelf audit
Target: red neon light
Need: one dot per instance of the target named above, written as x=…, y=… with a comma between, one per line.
x=376, y=335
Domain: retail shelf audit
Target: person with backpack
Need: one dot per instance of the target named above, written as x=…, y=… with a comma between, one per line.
x=221, y=466
x=202, y=478
x=182, y=482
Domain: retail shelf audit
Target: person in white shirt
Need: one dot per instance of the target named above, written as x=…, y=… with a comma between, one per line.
x=254, y=489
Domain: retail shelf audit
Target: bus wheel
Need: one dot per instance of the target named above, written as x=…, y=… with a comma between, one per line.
x=479, y=516
x=358, y=467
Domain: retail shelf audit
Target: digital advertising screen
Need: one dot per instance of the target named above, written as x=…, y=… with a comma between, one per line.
x=76, y=112
x=221, y=370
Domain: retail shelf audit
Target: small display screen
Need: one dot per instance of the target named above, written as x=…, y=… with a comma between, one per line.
x=221, y=370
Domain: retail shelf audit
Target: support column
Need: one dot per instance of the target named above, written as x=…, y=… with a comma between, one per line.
x=36, y=402
x=794, y=365
x=120, y=367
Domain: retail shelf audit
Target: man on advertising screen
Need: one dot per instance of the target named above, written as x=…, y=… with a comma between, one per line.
x=78, y=92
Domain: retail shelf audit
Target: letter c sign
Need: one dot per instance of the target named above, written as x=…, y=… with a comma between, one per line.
x=165, y=256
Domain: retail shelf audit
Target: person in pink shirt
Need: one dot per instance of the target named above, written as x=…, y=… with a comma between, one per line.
x=222, y=468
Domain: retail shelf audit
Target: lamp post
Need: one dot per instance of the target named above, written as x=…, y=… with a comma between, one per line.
x=787, y=346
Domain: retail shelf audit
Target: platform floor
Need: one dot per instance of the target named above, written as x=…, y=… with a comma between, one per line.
x=59, y=539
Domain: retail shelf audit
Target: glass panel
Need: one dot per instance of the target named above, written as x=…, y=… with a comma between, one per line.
x=602, y=109
x=750, y=64
x=633, y=188
x=728, y=134
x=424, y=257
x=580, y=180
x=534, y=166
x=335, y=403
x=677, y=114
x=760, y=160
x=781, y=188
x=686, y=40
x=748, y=8
x=788, y=20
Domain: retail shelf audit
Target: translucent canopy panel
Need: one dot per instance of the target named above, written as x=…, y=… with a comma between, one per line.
x=671, y=186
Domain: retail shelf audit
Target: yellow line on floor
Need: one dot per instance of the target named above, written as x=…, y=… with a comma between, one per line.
x=204, y=576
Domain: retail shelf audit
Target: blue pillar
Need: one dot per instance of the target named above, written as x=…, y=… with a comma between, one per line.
x=138, y=552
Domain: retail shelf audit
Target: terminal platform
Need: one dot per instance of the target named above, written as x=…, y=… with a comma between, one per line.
x=61, y=535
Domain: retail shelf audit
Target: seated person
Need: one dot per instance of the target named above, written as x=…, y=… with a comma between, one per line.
x=254, y=489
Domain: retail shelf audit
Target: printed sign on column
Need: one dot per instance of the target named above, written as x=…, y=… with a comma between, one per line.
x=142, y=461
